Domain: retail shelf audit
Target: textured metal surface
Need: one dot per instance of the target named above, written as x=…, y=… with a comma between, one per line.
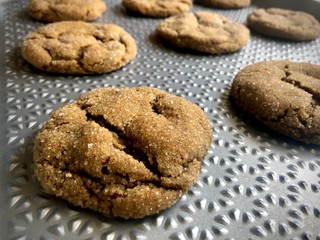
x=255, y=184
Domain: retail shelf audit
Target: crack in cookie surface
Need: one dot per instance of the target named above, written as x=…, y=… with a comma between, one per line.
x=125, y=144
x=304, y=81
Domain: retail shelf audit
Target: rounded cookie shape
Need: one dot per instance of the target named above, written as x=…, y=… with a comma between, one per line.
x=77, y=47
x=225, y=4
x=124, y=152
x=283, y=95
x=283, y=23
x=204, y=32
x=61, y=10
x=158, y=8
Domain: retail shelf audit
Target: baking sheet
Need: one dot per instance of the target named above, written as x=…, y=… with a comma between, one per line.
x=255, y=184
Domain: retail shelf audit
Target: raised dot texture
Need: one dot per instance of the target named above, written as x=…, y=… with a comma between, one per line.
x=254, y=183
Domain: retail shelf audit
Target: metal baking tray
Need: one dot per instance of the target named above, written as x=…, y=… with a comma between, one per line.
x=254, y=184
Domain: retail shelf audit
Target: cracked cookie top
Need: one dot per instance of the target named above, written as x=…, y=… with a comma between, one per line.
x=283, y=95
x=77, y=47
x=158, y=8
x=124, y=152
x=205, y=32
x=61, y=10
x=283, y=23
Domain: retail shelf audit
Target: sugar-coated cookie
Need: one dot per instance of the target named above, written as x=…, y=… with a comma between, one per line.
x=283, y=95
x=77, y=47
x=204, y=32
x=123, y=152
x=57, y=10
x=225, y=4
x=283, y=23
x=157, y=8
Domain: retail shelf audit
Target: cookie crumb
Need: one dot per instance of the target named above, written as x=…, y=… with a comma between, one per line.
x=68, y=175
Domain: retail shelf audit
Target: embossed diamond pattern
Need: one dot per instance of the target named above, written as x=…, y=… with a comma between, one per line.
x=254, y=184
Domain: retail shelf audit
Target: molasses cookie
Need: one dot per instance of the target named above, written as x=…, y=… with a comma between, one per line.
x=283, y=95
x=225, y=4
x=76, y=47
x=283, y=23
x=57, y=10
x=157, y=8
x=123, y=152
x=204, y=32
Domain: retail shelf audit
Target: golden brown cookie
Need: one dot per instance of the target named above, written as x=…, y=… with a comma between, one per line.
x=204, y=32
x=225, y=4
x=61, y=10
x=124, y=152
x=283, y=23
x=76, y=47
x=283, y=95
x=157, y=8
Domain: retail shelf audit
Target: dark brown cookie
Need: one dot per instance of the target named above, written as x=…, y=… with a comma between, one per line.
x=76, y=47
x=283, y=95
x=286, y=24
x=124, y=152
x=158, y=8
x=204, y=32
x=225, y=4
x=57, y=10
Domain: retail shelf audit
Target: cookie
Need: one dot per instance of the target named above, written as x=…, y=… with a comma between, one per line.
x=283, y=95
x=123, y=152
x=225, y=4
x=204, y=32
x=157, y=8
x=283, y=23
x=57, y=10
x=77, y=47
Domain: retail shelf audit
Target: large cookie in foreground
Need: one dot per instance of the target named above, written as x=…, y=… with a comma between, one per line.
x=283, y=95
x=124, y=152
x=157, y=8
x=77, y=47
x=57, y=10
x=283, y=23
x=206, y=32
